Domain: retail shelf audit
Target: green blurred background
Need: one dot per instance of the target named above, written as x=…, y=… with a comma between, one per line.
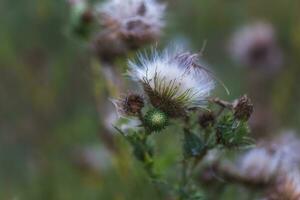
x=47, y=105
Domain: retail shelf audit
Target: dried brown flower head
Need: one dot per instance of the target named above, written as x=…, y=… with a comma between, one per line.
x=206, y=119
x=129, y=105
x=243, y=108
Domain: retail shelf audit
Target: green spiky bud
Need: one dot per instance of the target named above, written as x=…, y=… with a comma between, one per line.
x=156, y=120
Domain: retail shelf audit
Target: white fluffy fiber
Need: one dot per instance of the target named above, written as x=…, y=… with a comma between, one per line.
x=169, y=71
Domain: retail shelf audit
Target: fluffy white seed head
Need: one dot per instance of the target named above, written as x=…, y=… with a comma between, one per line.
x=255, y=45
x=173, y=80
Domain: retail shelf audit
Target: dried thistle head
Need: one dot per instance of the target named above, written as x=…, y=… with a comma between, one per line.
x=128, y=25
x=172, y=84
x=207, y=119
x=255, y=45
x=129, y=105
x=243, y=108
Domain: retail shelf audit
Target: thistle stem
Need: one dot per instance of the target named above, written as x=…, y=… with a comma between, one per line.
x=222, y=103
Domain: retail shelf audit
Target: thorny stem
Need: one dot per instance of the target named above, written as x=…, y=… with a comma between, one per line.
x=141, y=118
x=184, y=179
x=149, y=162
x=222, y=103
x=185, y=164
x=188, y=165
x=220, y=111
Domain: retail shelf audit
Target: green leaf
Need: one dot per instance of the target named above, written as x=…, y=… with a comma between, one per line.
x=193, y=145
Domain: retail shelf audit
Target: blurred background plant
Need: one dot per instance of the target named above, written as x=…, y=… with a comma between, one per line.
x=51, y=141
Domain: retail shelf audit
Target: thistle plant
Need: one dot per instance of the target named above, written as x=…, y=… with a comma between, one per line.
x=177, y=92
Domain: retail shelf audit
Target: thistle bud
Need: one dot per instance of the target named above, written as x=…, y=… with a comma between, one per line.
x=206, y=119
x=243, y=108
x=156, y=120
x=130, y=105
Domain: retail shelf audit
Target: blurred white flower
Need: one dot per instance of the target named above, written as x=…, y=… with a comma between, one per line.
x=127, y=25
x=289, y=146
x=255, y=45
x=260, y=164
x=272, y=159
x=132, y=15
x=174, y=81
x=93, y=158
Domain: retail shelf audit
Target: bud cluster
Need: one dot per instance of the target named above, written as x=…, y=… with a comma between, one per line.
x=176, y=91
